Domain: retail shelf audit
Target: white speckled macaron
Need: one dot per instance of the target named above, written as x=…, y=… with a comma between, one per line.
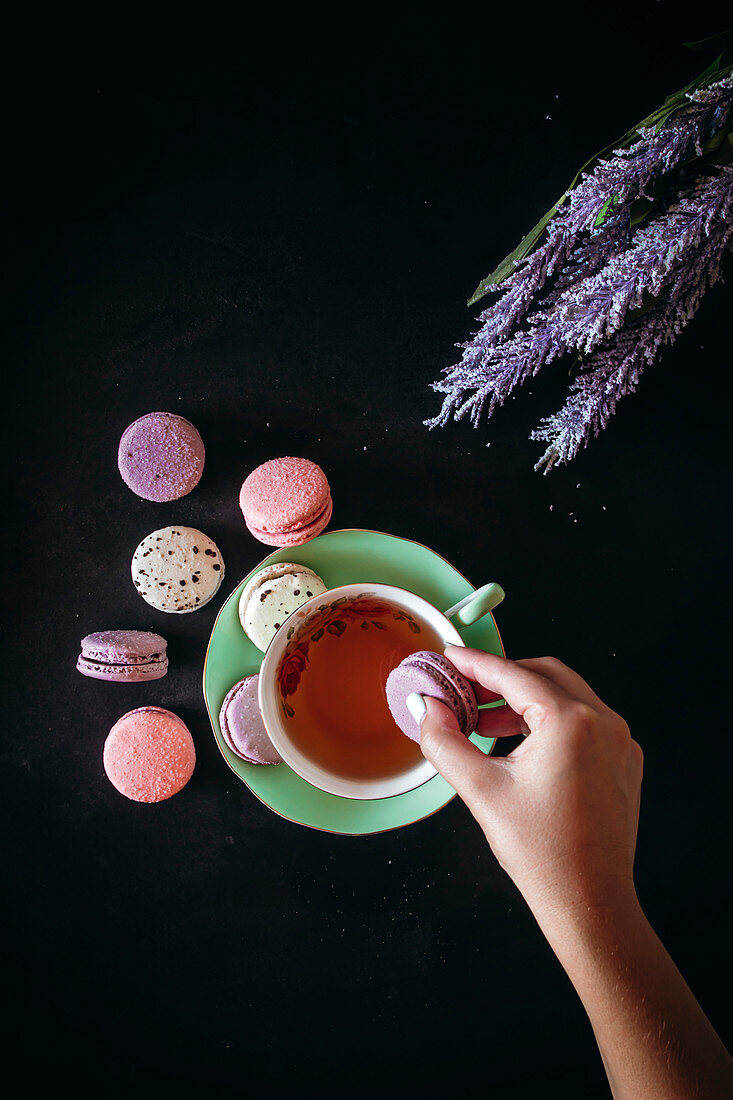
x=177, y=569
x=271, y=595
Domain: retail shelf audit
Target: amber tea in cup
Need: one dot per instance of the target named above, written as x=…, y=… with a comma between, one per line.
x=322, y=684
x=331, y=682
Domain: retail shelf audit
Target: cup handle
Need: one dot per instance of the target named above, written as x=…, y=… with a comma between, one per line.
x=474, y=606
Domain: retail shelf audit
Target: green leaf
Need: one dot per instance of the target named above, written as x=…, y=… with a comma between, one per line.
x=722, y=41
x=507, y=265
x=603, y=212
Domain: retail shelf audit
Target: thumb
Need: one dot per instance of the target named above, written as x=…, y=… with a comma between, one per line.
x=461, y=763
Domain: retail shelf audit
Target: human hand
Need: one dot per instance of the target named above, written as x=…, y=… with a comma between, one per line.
x=560, y=812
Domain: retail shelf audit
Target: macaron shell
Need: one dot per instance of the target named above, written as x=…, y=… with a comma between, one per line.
x=149, y=754
x=161, y=456
x=430, y=674
x=297, y=536
x=242, y=727
x=284, y=496
x=123, y=646
x=177, y=569
x=122, y=674
x=269, y=572
x=272, y=601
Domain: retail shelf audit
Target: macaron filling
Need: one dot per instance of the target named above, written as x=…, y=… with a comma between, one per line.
x=151, y=670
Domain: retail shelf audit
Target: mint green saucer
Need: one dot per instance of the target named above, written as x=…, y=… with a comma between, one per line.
x=341, y=557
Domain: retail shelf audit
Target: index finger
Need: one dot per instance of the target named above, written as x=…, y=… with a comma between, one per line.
x=521, y=687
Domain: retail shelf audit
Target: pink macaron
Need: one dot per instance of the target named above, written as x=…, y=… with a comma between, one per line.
x=149, y=754
x=286, y=501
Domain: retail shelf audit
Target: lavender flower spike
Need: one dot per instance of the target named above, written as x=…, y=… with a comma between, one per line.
x=629, y=175
x=620, y=242
x=593, y=309
x=614, y=370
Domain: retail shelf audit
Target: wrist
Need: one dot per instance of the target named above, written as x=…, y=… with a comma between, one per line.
x=598, y=919
x=654, y=1038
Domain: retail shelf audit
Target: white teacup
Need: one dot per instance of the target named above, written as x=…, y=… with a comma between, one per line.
x=445, y=624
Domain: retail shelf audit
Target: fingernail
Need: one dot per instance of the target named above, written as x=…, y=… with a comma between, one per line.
x=416, y=706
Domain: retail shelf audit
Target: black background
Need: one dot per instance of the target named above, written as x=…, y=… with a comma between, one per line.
x=271, y=226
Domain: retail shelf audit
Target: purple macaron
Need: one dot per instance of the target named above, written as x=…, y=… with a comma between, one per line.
x=123, y=656
x=242, y=727
x=429, y=673
x=161, y=456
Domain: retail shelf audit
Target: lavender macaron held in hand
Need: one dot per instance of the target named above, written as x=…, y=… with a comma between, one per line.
x=242, y=727
x=428, y=673
x=161, y=456
x=123, y=656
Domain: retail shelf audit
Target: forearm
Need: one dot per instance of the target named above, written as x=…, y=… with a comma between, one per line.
x=654, y=1039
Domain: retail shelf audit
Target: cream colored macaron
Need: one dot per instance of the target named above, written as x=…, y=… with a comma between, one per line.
x=177, y=569
x=273, y=594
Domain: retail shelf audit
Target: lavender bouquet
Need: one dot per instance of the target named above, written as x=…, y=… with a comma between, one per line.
x=612, y=273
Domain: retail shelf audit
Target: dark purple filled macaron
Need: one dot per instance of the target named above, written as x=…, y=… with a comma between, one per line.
x=161, y=456
x=123, y=656
x=432, y=674
x=242, y=727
